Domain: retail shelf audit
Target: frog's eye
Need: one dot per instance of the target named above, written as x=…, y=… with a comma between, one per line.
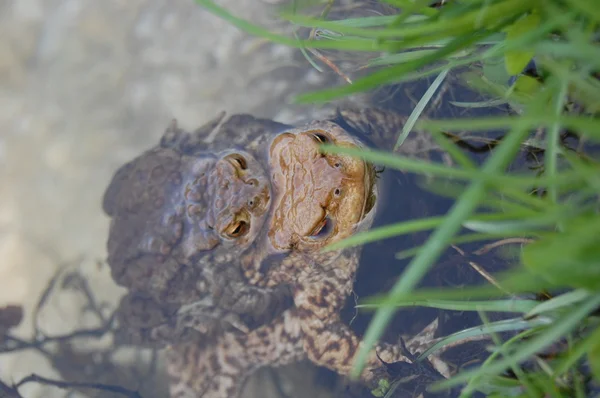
x=323, y=228
x=238, y=161
x=237, y=229
x=320, y=138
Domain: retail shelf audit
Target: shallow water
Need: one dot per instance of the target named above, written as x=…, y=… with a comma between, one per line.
x=86, y=86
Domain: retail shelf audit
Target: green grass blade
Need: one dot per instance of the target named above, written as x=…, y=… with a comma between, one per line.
x=416, y=113
x=454, y=305
x=555, y=303
x=438, y=241
x=562, y=326
x=507, y=325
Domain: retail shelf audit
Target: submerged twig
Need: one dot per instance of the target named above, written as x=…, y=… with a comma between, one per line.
x=12, y=343
x=486, y=275
x=33, y=378
x=486, y=248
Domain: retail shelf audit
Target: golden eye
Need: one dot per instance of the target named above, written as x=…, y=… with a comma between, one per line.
x=323, y=228
x=237, y=229
x=320, y=138
x=238, y=161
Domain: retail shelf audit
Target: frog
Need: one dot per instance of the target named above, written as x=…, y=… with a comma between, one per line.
x=318, y=198
x=180, y=213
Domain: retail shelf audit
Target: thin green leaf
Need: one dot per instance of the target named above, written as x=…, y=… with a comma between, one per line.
x=416, y=113
x=482, y=104
x=558, y=302
x=421, y=166
x=562, y=326
x=497, y=306
x=517, y=60
x=508, y=325
x=438, y=241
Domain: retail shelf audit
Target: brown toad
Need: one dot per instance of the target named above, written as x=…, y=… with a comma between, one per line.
x=181, y=214
x=317, y=199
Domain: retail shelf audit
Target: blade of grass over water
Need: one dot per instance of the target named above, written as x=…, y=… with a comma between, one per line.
x=498, y=306
x=531, y=389
x=581, y=348
x=558, y=302
x=394, y=74
x=416, y=113
x=508, y=325
x=453, y=150
x=350, y=45
x=457, y=240
x=517, y=282
x=560, y=327
x=421, y=166
x=463, y=24
x=486, y=220
x=424, y=260
x=585, y=125
x=545, y=210
x=409, y=72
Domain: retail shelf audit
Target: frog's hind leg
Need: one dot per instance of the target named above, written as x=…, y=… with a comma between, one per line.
x=203, y=370
x=219, y=367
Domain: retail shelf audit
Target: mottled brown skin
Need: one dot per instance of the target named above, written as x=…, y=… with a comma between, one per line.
x=217, y=300
x=181, y=213
x=318, y=199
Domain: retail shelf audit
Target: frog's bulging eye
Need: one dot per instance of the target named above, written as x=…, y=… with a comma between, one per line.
x=237, y=229
x=323, y=228
x=238, y=161
x=320, y=138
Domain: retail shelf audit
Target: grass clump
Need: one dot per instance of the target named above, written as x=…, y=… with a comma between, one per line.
x=542, y=59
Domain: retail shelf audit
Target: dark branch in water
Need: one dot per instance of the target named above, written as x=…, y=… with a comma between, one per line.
x=68, y=385
x=70, y=280
x=10, y=343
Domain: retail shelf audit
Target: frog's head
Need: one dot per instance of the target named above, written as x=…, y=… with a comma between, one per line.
x=318, y=198
x=170, y=209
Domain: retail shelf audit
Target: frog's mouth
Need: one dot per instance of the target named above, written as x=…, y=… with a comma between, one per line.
x=318, y=198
